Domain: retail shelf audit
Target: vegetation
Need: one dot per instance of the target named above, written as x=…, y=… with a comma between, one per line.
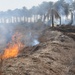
x=43, y=10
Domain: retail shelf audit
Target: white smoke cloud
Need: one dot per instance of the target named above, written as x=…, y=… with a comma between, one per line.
x=69, y=1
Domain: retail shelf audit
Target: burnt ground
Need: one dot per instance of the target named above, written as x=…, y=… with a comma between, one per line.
x=55, y=55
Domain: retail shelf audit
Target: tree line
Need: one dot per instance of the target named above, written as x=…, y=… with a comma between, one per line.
x=42, y=12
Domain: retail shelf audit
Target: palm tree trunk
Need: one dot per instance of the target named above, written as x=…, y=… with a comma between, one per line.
x=71, y=19
x=52, y=19
x=44, y=18
x=60, y=20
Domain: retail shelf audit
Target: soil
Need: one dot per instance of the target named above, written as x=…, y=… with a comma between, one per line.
x=55, y=55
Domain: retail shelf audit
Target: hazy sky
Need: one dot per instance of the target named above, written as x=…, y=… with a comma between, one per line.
x=12, y=4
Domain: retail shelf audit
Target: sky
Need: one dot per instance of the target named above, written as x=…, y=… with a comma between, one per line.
x=13, y=4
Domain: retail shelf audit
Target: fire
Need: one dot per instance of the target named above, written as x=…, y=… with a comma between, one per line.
x=11, y=52
x=13, y=47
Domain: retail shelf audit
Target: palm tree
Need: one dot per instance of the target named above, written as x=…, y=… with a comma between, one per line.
x=24, y=12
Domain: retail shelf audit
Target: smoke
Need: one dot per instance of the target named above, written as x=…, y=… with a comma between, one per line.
x=6, y=32
x=64, y=18
x=62, y=14
x=31, y=39
x=73, y=17
x=35, y=42
x=69, y=1
x=30, y=31
x=29, y=34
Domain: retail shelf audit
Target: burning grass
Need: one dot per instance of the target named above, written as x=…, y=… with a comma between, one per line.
x=13, y=47
x=20, y=38
x=47, y=53
x=11, y=51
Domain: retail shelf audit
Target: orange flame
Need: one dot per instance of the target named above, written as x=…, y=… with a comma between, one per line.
x=11, y=52
x=13, y=47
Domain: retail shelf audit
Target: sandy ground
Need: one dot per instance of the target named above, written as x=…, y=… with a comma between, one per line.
x=55, y=55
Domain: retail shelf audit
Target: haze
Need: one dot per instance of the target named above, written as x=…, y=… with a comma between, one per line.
x=13, y=4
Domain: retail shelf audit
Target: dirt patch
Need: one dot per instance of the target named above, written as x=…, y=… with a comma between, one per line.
x=53, y=56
